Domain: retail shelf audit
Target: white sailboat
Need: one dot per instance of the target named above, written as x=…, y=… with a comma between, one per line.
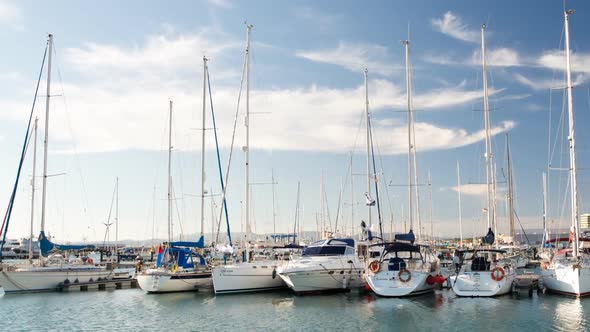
x=247, y=276
x=486, y=275
x=48, y=274
x=568, y=272
x=403, y=268
x=175, y=270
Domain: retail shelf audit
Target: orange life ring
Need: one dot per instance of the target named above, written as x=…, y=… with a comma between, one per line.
x=405, y=272
x=374, y=266
x=494, y=272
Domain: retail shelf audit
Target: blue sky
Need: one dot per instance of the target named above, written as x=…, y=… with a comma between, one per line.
x=119, y=64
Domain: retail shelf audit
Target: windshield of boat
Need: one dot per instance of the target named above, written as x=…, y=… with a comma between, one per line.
x=326, y=251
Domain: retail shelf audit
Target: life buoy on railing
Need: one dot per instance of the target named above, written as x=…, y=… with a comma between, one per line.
x=498, y=273
x=90, y=261
x=404, y=275
x=374, y=266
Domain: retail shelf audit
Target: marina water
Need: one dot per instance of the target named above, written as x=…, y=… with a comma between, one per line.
x=133, y=310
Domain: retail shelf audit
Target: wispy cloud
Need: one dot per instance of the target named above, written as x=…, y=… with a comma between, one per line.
x=546, y=83
x=555, y=59
x=452, y=25
x=354, y=57
x=226, y=4
x=10, y=14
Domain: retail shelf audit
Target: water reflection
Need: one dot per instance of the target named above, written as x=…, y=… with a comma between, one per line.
x=568, y=315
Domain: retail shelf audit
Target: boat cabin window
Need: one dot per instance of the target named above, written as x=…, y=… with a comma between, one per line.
x=325, y=251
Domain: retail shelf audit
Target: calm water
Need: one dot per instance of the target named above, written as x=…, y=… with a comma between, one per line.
x=132, y=309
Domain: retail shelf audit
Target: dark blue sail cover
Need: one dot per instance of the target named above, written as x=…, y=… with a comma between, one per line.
x=198, y=244
x=183, y=257
x=489, y=238
x=47, y=246
x=406, y=237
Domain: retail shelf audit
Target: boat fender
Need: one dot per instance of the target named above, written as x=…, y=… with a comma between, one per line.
x=498, y=273
x=404, y=275
x=174, y=268
x=274, y=273
x=374, y=266
x=90, y=261
x=430, y=280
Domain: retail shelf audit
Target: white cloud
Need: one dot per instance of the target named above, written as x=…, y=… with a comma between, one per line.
x=546, y=83
x=128, y=110
x=499, y=57
x=10, y=14
x=355, y=57
x=226, y=4
x=451, y=25
x=478, y=189
x=555, y=59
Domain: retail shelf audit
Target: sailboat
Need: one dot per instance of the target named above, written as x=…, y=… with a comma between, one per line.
x=568, y=272
x=46, y=274
x=176, y=269
x=248, y=275
x=486, y=275
x=405, y=268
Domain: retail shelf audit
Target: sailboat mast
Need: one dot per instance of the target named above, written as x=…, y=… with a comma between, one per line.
x=545, y=233
x=430, y=196
x=46, y=139
x=351, y=199
x=370, y=224
x=510, y=191
x=33, y=189
x=460, y=208
x=116, y=211
x=203, y=147
x=572, y=139
x=406, y=44
x=247, y=125
x=274, y=211
x=170, y=174
x=488, y=155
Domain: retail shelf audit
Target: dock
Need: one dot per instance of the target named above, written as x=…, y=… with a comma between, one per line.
x=99, y=285
x=525, y=284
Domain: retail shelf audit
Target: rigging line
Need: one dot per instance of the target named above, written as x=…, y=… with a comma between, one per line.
x=8, y=214
x=224, y=201
x=181, y=236
x=522, y=228
x=85, y=200
x=231, y=149
x=110, y=213
x=386, y=189
x=375, y=180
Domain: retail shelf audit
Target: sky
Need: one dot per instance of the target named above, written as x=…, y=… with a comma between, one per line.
x=117, y=64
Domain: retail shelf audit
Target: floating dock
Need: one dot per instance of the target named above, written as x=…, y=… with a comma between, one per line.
x=99, y=285
x=525, y=284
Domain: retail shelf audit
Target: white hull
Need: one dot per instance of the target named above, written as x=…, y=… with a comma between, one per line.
x=567, y=280
x=323, y=280
x=47, y=279
x=161, y=281
x=246, y=277
x=388, y=284
x=481, y=284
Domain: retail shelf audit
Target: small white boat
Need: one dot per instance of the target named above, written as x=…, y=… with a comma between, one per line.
x=327, y=265
x=566, y=274
x=481, y=275
x=403, y=269
x=175, y=272
x=247, y=277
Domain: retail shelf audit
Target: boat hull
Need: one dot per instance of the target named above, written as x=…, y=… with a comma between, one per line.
x=39, y=280
x=246, y=277
x=168, y=282
x=567, y=280
x=322, y=280
x=388, y=284
x=481, y=284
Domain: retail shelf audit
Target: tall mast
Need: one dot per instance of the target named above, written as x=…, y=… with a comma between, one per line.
x=430, y=195
x=510, y=192
x=460, y=208
x=205, y=72
x=170, y=174
x=33, y=190
x=368, y=145
x=572, y=139
x=351, y=199
x=488, y=154
x=406, y=44
x=274, y=212
x=545, y=233
x=46, y=139
x=116, y=211
x=247, y=124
